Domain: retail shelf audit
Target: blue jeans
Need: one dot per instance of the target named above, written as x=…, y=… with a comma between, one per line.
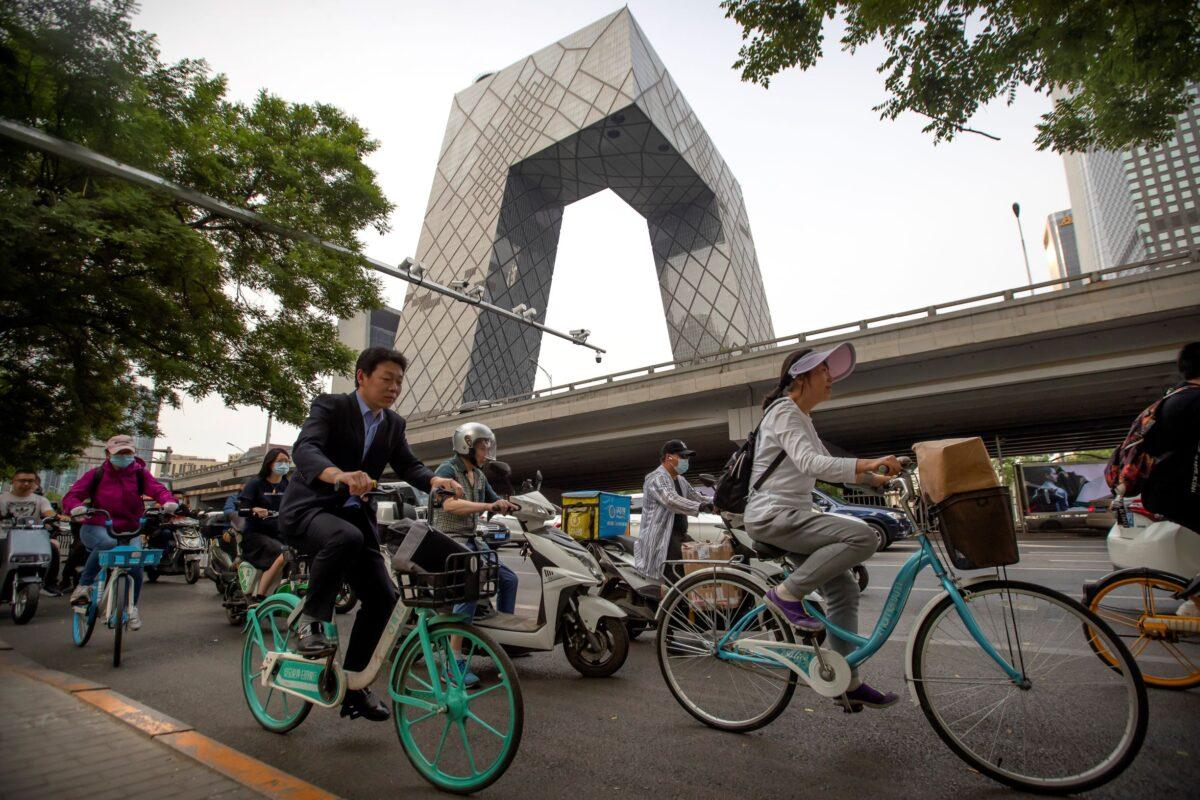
x=96, y=538
x=506, y=597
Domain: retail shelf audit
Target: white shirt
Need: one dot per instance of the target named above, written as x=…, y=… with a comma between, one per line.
x=785, y=427
x=32, y=506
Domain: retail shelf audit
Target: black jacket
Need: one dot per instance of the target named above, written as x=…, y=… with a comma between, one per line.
x=332, y=436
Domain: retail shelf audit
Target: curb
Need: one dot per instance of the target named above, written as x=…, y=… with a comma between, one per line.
x=179, y=736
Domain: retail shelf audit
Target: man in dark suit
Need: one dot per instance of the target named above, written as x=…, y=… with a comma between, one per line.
x=343, y=447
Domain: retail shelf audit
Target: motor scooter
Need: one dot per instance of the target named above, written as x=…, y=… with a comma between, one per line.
x=182, y=542
x=1141, y=540
x=571, y=611
x=24, y=561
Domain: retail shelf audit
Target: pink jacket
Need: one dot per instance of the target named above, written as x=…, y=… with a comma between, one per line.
x=117, y=494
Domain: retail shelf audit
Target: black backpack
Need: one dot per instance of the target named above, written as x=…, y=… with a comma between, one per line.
x=732, y=488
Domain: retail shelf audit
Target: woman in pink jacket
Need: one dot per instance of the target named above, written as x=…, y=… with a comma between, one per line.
x=116, y=486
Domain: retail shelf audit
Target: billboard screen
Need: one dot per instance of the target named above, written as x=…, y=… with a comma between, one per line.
x=1058, y=487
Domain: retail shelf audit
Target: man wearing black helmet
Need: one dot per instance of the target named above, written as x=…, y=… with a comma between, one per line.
x=667, y=501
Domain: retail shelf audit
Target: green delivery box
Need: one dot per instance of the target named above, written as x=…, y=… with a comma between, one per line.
x=595, y=515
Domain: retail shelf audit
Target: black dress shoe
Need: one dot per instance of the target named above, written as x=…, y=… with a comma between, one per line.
x=361, y=703
x=314, y=643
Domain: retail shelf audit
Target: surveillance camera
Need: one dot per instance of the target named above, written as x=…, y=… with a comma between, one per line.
x=459, y=286
x=599, y=358
x=476, y=292
x=581, y=334
x=530, y=313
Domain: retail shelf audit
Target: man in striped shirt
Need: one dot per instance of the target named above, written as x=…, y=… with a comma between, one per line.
x=667, y=501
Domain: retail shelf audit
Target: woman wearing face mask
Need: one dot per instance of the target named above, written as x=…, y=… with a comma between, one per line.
x=116, y=486
x=261, y=540
x=789, y=458
x=667, y=501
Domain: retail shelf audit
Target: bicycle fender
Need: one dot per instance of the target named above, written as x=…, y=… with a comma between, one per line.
x=592, y=609
x=909, y=648
x=1091, y=587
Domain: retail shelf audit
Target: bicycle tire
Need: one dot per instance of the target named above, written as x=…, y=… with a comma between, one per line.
x=430, y=771
x=258, y=708
x=121, y=592
x=1135, y=729
x=1165, y=581
x=679, y=593
x=83, y=623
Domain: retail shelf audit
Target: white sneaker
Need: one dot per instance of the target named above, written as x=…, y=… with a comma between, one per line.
x=81, y=597
x=135, y=619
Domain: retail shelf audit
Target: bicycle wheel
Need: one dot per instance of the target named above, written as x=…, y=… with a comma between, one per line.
x=1074, y=723
x=275, y=710
x=466, y=742
x=725, y=693
x=83, y=623
x=1168, y=659
x=121, y=598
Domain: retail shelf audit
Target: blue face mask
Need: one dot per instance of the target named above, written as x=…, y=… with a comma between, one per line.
x=121, y=461
x=682, y=466
x=282, y=468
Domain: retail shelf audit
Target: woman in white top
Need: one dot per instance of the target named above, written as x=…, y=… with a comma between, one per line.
x=780, y=511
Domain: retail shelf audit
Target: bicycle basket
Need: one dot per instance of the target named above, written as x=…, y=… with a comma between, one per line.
x=977, y=528
x=129, y=556
x=437, y=570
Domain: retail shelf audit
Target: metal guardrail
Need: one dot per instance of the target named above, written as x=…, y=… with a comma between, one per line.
x=869, y=325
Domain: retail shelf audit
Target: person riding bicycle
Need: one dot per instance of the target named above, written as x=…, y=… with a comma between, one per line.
x=346, y=442
x=262, y=544
x=116, y=486
x=1172, y=487
x=780, y=512
x=474, y=445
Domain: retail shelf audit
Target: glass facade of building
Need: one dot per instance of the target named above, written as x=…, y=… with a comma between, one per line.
x=596, y=110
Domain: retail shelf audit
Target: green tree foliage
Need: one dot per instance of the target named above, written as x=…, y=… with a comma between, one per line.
x=116, y=299
x=1123, y=66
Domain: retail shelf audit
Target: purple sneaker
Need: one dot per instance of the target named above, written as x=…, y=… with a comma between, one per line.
x=864, y=695
x=793, y=612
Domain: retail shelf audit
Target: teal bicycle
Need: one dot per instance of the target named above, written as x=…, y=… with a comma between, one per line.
x=459, y=739
x=112, y=593
x=1003, y=670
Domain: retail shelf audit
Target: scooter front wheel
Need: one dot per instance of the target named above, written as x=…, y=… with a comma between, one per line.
x=25, y=603
x=191, y=571
x=589, y=662
x=459, y=737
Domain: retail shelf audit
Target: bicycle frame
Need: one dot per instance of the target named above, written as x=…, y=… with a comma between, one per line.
x=889, y=617
x=401, y=618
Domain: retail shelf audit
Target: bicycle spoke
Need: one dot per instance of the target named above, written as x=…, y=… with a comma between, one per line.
x=486, y=691
x=472, y=715
x=437, y=757
x=462, y=730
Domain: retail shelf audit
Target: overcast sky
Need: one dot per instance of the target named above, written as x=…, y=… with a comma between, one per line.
x=852, y=216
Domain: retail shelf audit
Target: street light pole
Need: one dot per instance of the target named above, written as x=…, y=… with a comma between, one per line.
x=1021, y=232
x=545, y=372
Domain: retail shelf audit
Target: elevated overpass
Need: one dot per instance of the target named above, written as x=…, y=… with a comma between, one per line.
x=1049, y=367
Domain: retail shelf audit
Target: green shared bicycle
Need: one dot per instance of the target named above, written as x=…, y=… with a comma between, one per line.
x=1003, y=670
x=459, y=739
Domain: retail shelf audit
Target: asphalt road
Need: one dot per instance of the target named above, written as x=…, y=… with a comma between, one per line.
x=616, y=737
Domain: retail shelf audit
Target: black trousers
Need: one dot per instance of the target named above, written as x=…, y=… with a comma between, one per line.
x=344, y=547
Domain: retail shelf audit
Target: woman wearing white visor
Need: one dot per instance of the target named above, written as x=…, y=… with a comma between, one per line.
x=780, y=511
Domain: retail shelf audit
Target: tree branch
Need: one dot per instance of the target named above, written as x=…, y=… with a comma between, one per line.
x=955, y=125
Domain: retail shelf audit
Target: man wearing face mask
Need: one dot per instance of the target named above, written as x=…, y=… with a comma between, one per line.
x=667, y=501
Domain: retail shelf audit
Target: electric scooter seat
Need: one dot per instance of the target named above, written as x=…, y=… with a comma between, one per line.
x=651, y=591
x=768, y=552
x=626, y=543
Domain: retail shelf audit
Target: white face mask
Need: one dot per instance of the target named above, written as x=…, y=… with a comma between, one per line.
x=682, y=466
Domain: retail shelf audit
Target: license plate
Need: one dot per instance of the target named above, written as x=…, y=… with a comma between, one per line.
x=499, y=536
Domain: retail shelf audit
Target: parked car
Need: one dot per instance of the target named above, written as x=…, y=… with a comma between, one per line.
x=889, y=524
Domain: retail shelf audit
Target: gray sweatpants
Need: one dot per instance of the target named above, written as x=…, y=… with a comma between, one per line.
x=829, y=546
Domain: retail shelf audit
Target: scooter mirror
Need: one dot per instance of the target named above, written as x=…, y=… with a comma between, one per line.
x=538, y=478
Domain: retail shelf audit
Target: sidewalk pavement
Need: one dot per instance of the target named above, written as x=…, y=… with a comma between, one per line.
x=65, y=737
